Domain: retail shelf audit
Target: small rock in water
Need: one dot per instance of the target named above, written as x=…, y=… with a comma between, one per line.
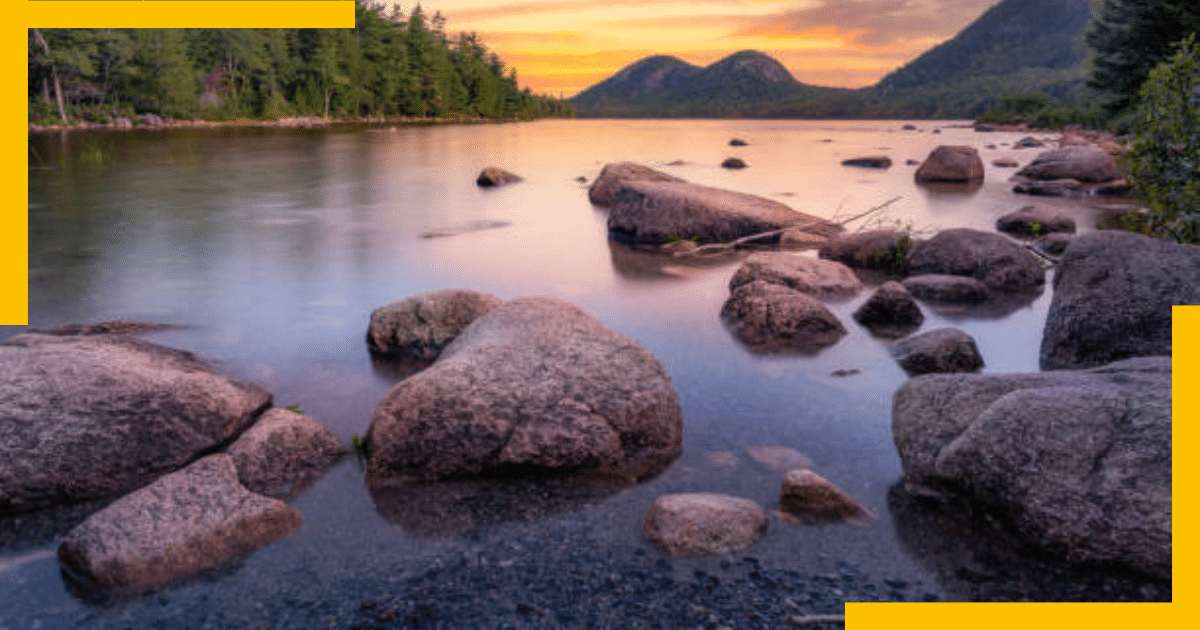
x=700, y=523
x=938, y=351
x=733, y=163
x=494, y=176
x=814, y=499
x=738, y=142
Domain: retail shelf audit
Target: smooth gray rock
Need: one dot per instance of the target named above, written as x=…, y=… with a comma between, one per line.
x=946, y=288
x=99, y=415
x=890, y=311
x=648, y=207
x=988, y=257
x=283, y=451
x=701, y=523
x=1077, y=462
x=816, y=277
x=942, y=350
x=419, y=327
x=179, y=525
x=1037, y=220
x=492, y=176
x=1085, y=163
x=535, y=385
x=1113, y=293
x=951, y=164
x=767, y=316
x=869, y=249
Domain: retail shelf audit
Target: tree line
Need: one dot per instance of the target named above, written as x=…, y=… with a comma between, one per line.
x=391, y=64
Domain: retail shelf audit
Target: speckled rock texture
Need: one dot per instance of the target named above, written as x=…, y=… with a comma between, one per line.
x=768, y=317
x=283, y=451
x=941, y=350
x=700, y=523
x=816, y=277
x=951, y=165
x=988, y=257
x=418, y=327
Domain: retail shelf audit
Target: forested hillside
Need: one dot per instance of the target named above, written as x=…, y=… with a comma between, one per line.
x=390, y=64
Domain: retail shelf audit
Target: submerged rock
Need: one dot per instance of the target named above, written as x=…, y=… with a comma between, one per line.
x=95, y=416
x=699, y=523
x=419, y=327
x=649, y=207
x=179, y=525
x=768, y=316
x=779, y=458
x=814, y=499
x=534, y=385
x=1077, y=462
x=1113, y=293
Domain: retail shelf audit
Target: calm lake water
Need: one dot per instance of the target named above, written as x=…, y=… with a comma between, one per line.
x=272, y=247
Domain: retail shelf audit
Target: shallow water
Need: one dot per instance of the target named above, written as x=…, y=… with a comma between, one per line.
x=272, y=247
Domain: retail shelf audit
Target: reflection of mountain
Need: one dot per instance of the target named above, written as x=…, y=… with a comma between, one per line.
x=1015, y=47
x=975, y=559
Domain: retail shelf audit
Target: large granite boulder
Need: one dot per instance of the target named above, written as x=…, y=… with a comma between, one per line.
x=95, y=416
x=1034, y=221
x=181, y=524
x=648, y=207
x=937, y=351
x=1113, y=294
x=418, y=327
x=990, y=258
x=702, y=523
x=816, y=277
x=1085, y=163
x=1077, y=462
x=534, y=385
x=952, y=165
x=869, y=249
x=767, y=317
x=283, y=451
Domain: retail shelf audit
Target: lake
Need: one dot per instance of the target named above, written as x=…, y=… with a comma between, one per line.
x=272, y=247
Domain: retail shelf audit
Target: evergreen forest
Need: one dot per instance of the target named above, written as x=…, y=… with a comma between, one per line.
x=392, y=64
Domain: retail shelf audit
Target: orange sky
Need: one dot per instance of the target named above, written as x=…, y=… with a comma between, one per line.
x=565, y=46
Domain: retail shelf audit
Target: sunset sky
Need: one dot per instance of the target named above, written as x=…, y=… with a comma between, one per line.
x=564, y=46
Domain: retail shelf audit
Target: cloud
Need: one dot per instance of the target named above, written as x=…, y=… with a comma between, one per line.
x=518, y=9
x=872, y=23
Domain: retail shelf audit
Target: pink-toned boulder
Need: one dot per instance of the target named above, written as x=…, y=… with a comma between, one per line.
x=814, y=499
x=812, y=276
x=953, y=165
x=769, y=317
x=283, y=451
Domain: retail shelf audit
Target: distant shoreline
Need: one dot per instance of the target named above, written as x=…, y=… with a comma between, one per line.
x=293, y=122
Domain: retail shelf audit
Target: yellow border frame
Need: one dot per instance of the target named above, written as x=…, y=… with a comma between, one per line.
x=326, y=13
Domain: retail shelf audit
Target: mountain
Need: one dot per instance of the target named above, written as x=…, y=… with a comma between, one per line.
x=1016, y=47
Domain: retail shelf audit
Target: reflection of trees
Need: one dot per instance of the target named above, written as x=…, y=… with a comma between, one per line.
x=975, y=558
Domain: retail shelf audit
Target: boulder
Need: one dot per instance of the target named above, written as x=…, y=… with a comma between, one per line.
x=814, y=499
x=870, y=161
x=1084, y=163
x=1005, y=163
x=816, y=277
x=779, y=458
x=738, y=142
x=946, y=288
x=768, y=316
x=988, y=257
x=535, y=385
x=179, y=525
x=890, y=312
x=99, y=415
x=419, y=327
x=1113, y=293
x=698, y=523
x=938, y=351
x=733, y=163
x=648, y=207
x=869, y=249
x=1050, y=188
x=1028, y=142
x=951, y=164
x=1032, y=221
x=495, y=176
x=1077, y=462
x=283, y=451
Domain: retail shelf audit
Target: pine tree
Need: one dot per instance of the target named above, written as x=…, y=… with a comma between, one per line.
x=1130, y=37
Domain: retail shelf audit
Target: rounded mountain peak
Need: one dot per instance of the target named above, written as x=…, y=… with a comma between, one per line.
x=754, y=62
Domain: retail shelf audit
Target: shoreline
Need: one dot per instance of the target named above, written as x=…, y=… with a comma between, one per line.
x=290, y=122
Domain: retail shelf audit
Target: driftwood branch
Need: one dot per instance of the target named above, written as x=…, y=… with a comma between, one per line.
x=815, y=620
x=745, y=240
